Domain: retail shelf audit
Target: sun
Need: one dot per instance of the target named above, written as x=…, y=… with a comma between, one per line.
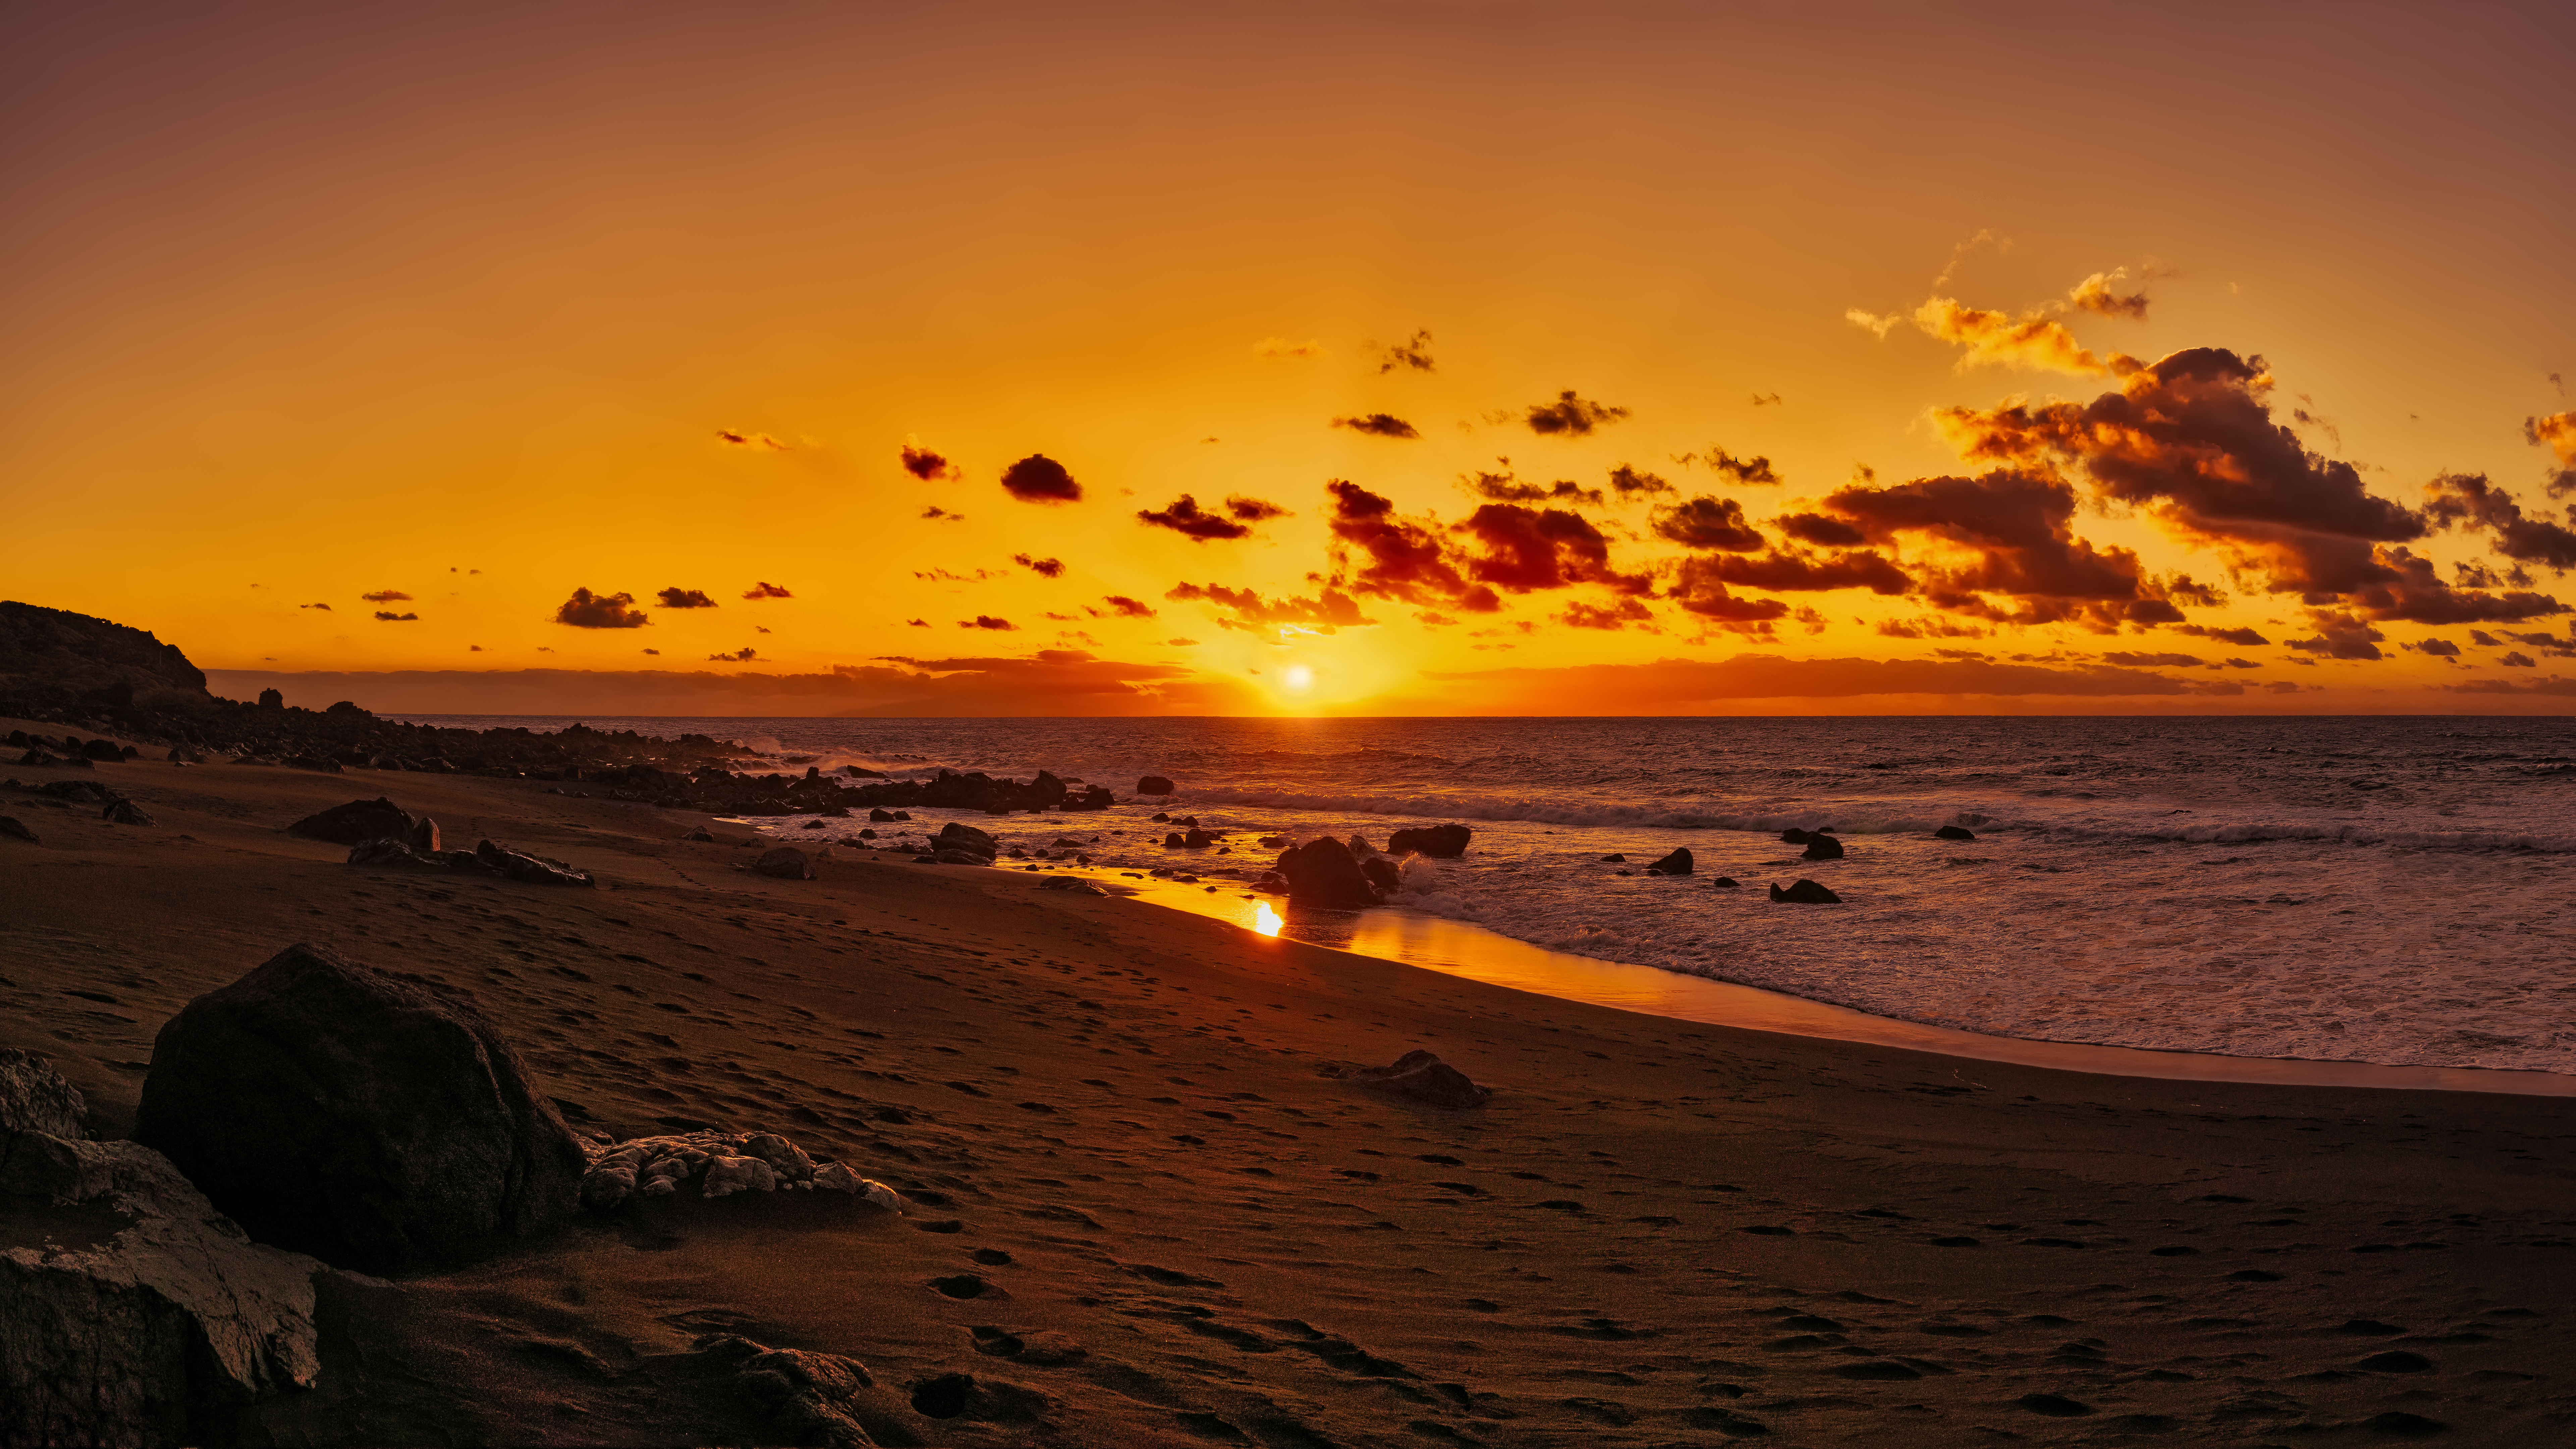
x=1297, y=677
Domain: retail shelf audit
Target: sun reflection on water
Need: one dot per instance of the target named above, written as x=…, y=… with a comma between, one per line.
x=1265, y=920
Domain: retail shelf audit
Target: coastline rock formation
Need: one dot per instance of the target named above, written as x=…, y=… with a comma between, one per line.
x=1323, y=872
x=376, y=1121
x=485, y=858
x=1806, y=893
x=131, y=1311
x=1442, y=842
x=1153, y=785
x=718, y=1164
x=1421, y=1076
x=1821, y=846
x=1954, y=832
x=1677, y=863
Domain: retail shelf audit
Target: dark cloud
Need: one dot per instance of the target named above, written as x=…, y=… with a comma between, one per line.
x=1753, y=471
x=733, y=438
x=2516, y=659
x=1406, y=560
x=586, y=610
x=1788, y=571
x=944, y=576
x=942, y=515
x=2483, y=639
x=916, y=623
x=1127, y=608
x=2284, y=686
x=744, y=655
x=387, y=596
x=1617, y=615
x=1668, y=685
x=2467, y=499
x=987, y=621
x=1766, y=399
x=2015, y=533
x=1815, y=528
x=1528, y=549
x=2134, y=660
x=2242, y=638
x=1330, y=610
x=1571, y=416
x=1253, y=510
x=1930, y=626
x=679, y=598
x=1713, y=523
x=1379, y=425
x=2340, y=636
x=1043, y=567
x=2556, y=432
x=1414, y=352
x=928, y=466
x=1504, y=488
x=766, y=590
x=1185, y=517
x=2554, y=685
x=2438, y=648
x=1699, y=590
x=325, y=608
x=2410, y=591
x=1627, y=482
x=1038, y=478
x=2191, y=440
x=391, y=617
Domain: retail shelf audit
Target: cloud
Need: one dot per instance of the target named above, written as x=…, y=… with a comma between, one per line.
x=1755, y=471
x=1617, y=615
x=2516, y=659
x=391, y=617
x=586, y=610
x=1817, y=529
x=1381, y=425
x=1414, y=352
x=387, y=596
x=1571, y=416
x=1791, y=571
x=1407, y=560
x=1127, y=608
x=679, y=598
x=326, y=608
x=766, y=590
x=2011, y=535
x=2557, y=432
x=941, y=515
x=653, y=651
x=1699, y=590
x=2469, y=500
x=987, y=621
x=1766, y=399
x=916, y=623
x=2135, y=660
x=1038, y=478
x=734, y=439
x=2553, y=685
x=1046, y=568
x=1181, y=643
x=2438, y=648
x=1677, y=685
x=1504, y=488
x=1330, y=610
x=2340, y=636
x=2410, y=590
x=1929, y=626
x=928, y=466
x=1712, y=523
x=1999, y=339
x=2094, y=295
x=944, y=576
x=2242, y=638
x=1185, y=517
x=1253, y=510
x=1627, y=482
x=743, y=655
x=1528, y=549
x=1282, y=347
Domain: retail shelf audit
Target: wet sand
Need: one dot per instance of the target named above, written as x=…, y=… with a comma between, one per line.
x=1175, y=1230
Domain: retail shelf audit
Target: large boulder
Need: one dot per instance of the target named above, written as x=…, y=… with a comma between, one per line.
x=376, y=1121
x=131, y=1311
x=1806, y=893
x=1323, y=872
x=785, y=862
x=356, y=823
x=953, y=836
x=1153, y=785
x=1954, y=832
x=1821, y=846
x=1447, y=842
x=1382, y=873
x=1677, y=863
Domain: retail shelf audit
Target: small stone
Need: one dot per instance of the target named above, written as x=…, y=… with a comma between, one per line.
x=729, y=1175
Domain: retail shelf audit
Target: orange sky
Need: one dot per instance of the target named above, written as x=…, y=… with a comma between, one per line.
x=307, y=304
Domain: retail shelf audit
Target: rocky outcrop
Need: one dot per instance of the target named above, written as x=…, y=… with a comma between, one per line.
x=485, y=859
x=356, y=823
x=718, y=1164
x=131, y=1311
x=1806, y=893
x=1153, y=785
x=34, y=1099
x=1382, y=873
x=59, y=655
x=1443, y=842
x=785, y=862
x=378, y=1122
x=967, y=839
x=1821, y=846
x=15, y=829
x=1422, y=1077
x=1954, y=832
x=1323, y=872
x=1677, y=863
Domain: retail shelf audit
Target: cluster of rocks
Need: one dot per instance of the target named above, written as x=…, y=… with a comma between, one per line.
x=112, y=802
x=69, y=751
x=717, y=1164
x=380, y=833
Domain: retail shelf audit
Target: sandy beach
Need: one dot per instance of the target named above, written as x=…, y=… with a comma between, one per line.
x=1146, y=1214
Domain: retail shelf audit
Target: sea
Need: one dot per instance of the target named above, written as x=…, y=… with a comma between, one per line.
x=2381, y=890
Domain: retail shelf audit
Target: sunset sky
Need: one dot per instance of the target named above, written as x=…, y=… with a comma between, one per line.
x=1468, y=357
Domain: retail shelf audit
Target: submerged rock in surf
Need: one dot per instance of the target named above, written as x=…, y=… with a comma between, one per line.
x=1806, y=893
x=1822, y=847
x=1953, y=832
x=1677, y=863
x=1442, y=842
